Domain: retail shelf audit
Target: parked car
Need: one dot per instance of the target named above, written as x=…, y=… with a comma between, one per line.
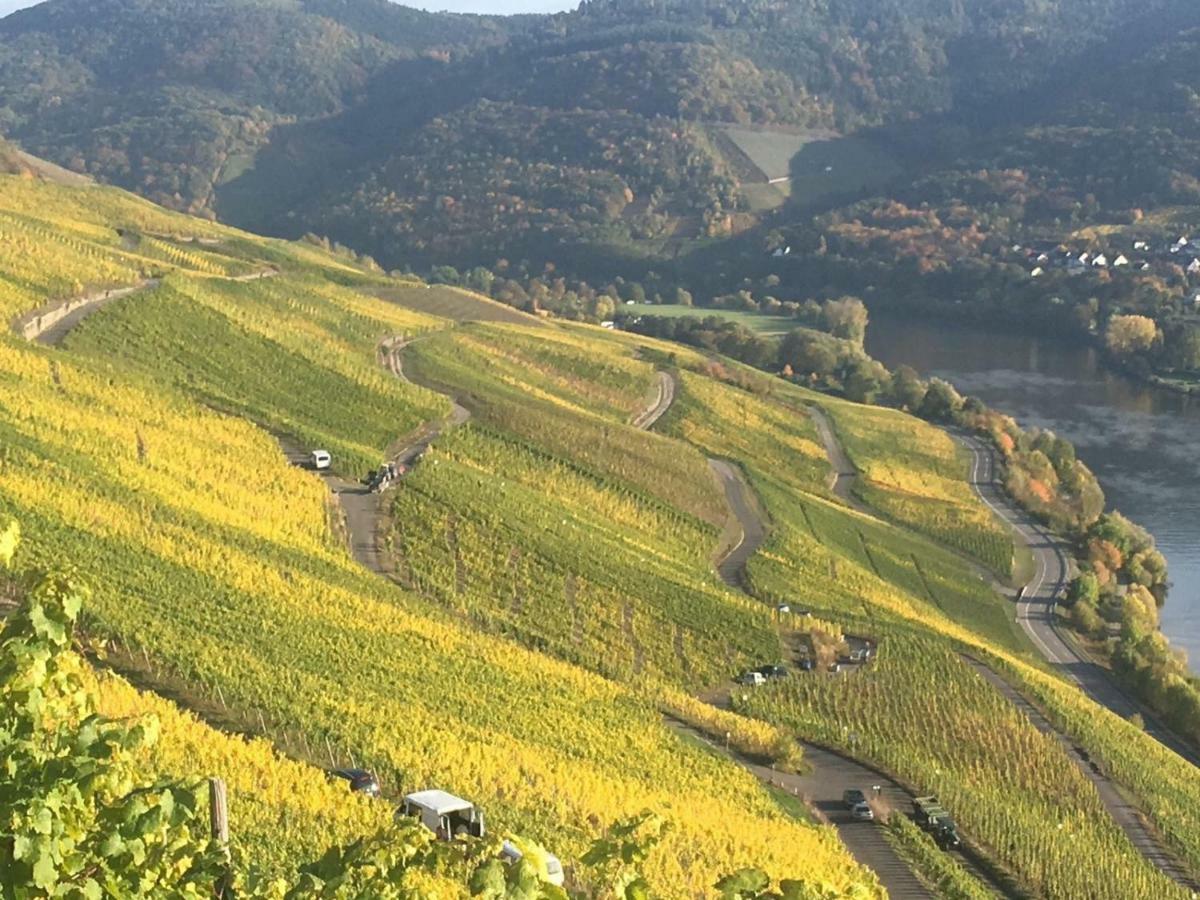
x=547, y=865
x=862, y=812
x=770, y=672
x=321, y=460
x=361, y=781
x=806, y=664
x=852, y=797
x=751, y=678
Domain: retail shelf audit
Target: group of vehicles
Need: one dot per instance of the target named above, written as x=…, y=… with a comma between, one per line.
x=381, y=478
x=762, y=675
x=377, y=481
x=450, y=817
x=927, y=812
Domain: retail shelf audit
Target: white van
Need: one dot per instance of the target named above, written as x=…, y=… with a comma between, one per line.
x=321, y=459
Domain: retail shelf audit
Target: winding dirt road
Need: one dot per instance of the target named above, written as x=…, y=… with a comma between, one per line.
x=1036, y=606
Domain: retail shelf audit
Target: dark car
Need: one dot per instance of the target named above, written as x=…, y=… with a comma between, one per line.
x=807, y=665
x=853, y=797
x=773, y=671
x=361, y=781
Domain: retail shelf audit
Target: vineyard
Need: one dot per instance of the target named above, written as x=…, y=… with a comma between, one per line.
x=282, y=811
x=292, y=353
x=512, y=537
x=914, y=474
x=214, y=561
x=1011, y=788
x=556, y=593
x=548, y=398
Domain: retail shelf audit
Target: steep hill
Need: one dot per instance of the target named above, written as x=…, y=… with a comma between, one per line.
x=447, y=139
x=513, y=619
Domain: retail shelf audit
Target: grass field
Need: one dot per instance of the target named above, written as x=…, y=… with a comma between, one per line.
x=763, y=324
x=772, y=151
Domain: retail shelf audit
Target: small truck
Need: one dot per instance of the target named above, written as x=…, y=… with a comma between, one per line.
x=444, y=814
x=929, y=814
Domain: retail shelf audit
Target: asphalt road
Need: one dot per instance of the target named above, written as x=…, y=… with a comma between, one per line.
x=844, y=470
x=751, y=526
x=663, y=398
x=821, y=786
x=1035, y=610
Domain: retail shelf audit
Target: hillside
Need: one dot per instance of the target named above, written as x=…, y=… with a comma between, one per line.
x=599, y=139
x=557, y=573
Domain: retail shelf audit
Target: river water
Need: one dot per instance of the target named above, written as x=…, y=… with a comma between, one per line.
x=1143, y=443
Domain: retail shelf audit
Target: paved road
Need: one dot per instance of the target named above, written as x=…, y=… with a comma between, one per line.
x=50, y=325
x=663, y=398
x=1035, y=610
x=844, y=471
x=828, y=775
x=1127, y=817
x=751, y=526
x=363, y=510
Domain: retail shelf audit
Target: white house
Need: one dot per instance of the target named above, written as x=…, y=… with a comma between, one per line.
x=1121, y=260
x=1140, y=245
x=1183, y=242
x=1194, y=268
x=1037, y=273
x=1085, y=258
x=1101, y=261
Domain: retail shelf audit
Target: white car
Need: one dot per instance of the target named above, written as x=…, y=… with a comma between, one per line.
x=752, y=678
x=551, y=872
x=321, y=460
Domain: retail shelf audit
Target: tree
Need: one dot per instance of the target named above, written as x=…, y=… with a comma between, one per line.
x=1130, y=335
x=941, y=402
x=908, y=390
x=846, y=318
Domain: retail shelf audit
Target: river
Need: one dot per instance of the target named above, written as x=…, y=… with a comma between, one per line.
x=1143, y=443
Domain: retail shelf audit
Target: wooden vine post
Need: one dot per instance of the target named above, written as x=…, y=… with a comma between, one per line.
x=218, y=810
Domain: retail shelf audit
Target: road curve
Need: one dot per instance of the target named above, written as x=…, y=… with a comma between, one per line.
x=1127, y=817
x=845, y=473
x=49, y=325
x=663, y=398
x=751, y=526
x=1036, y=607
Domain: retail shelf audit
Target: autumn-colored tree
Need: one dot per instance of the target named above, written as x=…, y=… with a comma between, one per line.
x=1130, y=335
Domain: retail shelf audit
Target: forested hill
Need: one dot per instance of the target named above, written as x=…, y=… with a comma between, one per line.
x=426, y=138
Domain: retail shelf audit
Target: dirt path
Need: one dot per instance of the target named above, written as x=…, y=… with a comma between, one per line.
x=364, y=511
x=1127, y=817
x=663, y=398
x=1036, y=607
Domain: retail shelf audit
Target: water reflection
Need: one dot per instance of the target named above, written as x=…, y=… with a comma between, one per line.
x=1143, y=444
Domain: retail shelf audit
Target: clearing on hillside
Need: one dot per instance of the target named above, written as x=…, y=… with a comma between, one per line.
x=456, y=304
x=763, y=324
